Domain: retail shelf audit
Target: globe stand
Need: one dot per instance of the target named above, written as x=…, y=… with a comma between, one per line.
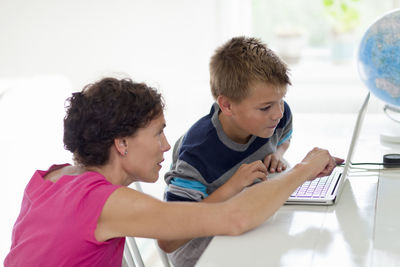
x=391, y=132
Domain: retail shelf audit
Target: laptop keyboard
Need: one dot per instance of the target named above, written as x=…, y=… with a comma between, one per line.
x=316, y=188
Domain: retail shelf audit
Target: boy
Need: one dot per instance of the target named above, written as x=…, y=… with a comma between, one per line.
x=249, y=121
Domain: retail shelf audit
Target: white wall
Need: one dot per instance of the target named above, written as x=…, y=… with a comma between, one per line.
x=164, y=43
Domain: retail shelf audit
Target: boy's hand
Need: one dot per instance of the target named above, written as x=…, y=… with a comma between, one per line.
x=247, y=174
x=274, y=163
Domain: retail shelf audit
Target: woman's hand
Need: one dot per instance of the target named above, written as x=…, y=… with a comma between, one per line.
x=320, y=163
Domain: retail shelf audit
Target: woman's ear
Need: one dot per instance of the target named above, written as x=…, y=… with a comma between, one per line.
x=225, y=104
x=120, y=145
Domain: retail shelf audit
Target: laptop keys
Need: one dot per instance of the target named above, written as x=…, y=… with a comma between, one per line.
x=317, y=188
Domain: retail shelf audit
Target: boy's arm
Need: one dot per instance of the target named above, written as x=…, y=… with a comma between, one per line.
x=274, y=161
x=243, y=177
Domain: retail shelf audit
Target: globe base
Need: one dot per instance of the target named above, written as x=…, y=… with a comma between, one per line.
x=390, y=138
x=391, y=132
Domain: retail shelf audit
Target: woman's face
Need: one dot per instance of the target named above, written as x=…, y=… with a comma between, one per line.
x=145, y=151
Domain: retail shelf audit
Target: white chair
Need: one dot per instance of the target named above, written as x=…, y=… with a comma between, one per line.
x=132, y=256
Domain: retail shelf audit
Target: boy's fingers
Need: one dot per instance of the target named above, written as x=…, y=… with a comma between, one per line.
x=260, y=166
x=279, y=168
x=283, y=166
x=261, y=175
x=267, y=160
x=273, y=166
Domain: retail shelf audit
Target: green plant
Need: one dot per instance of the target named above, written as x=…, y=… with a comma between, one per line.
x=344, y=14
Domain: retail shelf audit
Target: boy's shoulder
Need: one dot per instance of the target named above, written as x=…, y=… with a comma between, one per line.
x=202, y=129
x=201, y=134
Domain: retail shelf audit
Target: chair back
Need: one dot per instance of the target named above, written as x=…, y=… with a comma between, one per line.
x=132, y=256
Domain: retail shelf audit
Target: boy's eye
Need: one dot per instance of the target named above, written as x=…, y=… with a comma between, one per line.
x=265, y=108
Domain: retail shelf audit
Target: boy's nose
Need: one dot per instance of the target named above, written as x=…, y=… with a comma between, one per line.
x=278, y=113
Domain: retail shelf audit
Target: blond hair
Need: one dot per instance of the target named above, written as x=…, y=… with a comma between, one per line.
x=242, y=61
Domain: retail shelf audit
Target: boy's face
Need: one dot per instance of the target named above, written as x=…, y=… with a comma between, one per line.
x=259, y=113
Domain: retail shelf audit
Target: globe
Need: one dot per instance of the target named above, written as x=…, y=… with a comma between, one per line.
x=379, y=68
x=379, y=58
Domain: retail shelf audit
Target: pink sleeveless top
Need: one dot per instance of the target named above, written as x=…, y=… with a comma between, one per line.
x=57, y=222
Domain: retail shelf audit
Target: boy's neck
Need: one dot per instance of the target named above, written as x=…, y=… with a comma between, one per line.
x=232, y=131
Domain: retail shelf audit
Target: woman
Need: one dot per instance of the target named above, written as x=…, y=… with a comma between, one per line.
x=78, y=215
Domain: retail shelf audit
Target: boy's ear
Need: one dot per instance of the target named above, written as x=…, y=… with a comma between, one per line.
x=225, y=104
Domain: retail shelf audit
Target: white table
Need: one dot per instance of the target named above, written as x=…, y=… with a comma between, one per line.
x=362, y=229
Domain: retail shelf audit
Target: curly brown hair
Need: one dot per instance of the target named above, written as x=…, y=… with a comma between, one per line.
x=103, y=111
x=242, y=61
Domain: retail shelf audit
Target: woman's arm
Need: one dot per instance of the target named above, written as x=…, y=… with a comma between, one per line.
x=131, y=213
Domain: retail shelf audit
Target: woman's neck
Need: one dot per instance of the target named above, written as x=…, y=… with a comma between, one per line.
x=112, y=172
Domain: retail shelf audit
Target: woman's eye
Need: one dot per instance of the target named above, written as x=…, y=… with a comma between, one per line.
x=265, y=108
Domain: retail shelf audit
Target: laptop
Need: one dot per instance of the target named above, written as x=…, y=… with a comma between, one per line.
x=326, y=190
